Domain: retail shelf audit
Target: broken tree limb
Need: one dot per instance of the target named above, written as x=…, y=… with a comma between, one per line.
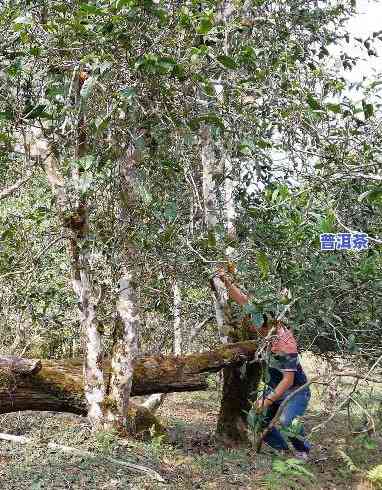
x=20, y=365
x=58, y=385
x=135, y=468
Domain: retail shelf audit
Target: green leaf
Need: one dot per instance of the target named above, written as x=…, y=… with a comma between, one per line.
x=227, y=61
x=209, y=118
x=128, y=92
x=250, y=309
x=89, y=9
x=15, y=68
x=366, y=442
x=336, y=108
x=35, y=51
x=264, y=144
x=170, y=212
x=101, y=123
x=263, y=264
x=257, y=319
x=374, y=195
x=327, y=223
x=124, y=3
x=21, y=22
x=34, y=112
x=313, y=102
x=204, y=26
x=165, y=65
x=245, y=150
x=6, y=115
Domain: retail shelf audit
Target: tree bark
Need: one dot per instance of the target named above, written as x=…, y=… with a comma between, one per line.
x=178, y=334
x=124, y=353
x=75, y=221
x=58, y=385
x=125, y=343
x=209, y=183
x=229, y=187
x=238, y=390
x=238, y=382
x=82, y=282
x=220, y=299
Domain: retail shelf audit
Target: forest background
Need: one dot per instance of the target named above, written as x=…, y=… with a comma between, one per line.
x=145, y=143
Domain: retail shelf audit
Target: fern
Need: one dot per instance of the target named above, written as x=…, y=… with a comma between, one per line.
x=350, y=464
x=375, y=475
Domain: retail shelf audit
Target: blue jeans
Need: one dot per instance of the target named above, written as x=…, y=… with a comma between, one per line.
x=295, y=407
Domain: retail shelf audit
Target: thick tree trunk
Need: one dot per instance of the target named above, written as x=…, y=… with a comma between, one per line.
x=58, y=385
x=238, y=383
x=239, y=387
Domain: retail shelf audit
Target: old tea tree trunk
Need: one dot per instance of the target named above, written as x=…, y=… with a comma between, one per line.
x=125, y=347
x=75, y=221
x=239, y=383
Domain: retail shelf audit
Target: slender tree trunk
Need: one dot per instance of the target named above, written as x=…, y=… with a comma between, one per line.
x=238, y=383
x=178, y=333
x=220, y=299
x=209, y=184
x=229, y=186
x=124, y=353
x=125, y=348
x=82, y=282
x=156, y=400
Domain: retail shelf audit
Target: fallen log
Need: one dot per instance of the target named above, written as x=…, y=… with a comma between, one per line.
x=58, y=385
x=20, y=365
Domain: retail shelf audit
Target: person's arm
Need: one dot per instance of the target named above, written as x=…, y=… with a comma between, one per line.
x=281, y=388
x=234, y=292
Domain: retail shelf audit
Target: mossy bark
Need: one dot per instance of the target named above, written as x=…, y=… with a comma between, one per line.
x=58, y=385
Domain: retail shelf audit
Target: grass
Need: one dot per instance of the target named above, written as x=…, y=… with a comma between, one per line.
x=190, y=459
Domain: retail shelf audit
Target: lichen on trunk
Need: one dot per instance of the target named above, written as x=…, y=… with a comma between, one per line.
x=124, y=353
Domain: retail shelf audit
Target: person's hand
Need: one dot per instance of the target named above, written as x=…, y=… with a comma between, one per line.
x=221, y=273
x=262, y=404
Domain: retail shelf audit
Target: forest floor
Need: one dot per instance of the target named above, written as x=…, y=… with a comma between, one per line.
x=190, y=461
